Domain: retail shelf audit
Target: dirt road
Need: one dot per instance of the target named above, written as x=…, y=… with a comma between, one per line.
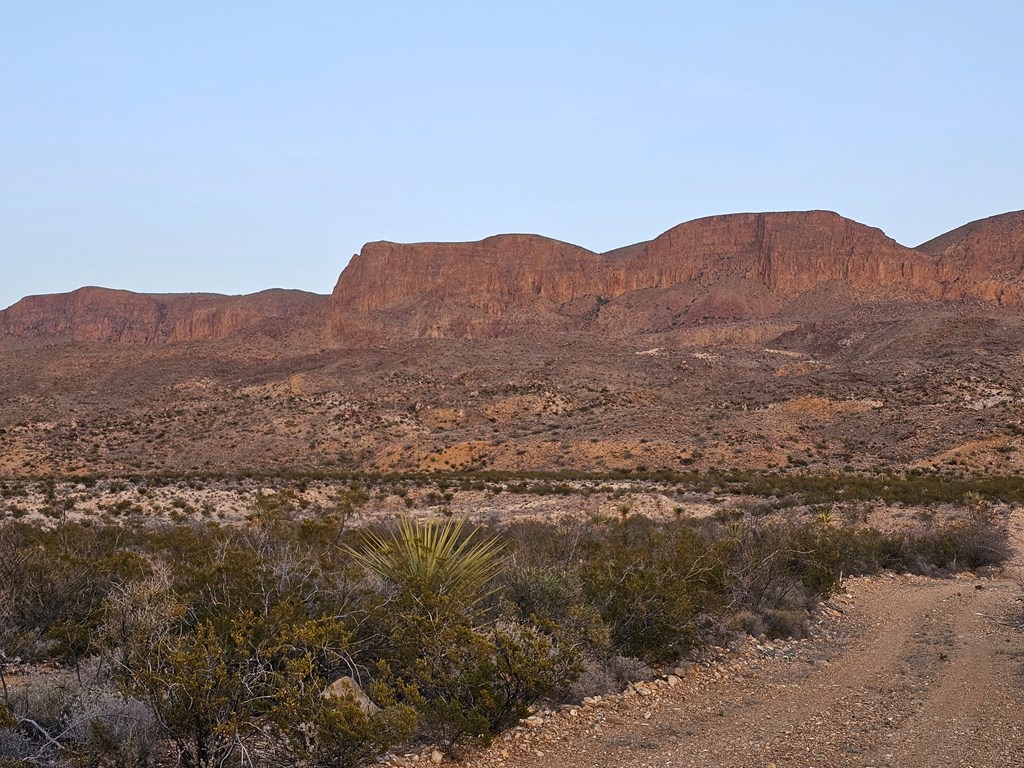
x=913, y=672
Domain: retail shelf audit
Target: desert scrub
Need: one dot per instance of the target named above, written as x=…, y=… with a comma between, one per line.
x=227, y=635
x=467, y=671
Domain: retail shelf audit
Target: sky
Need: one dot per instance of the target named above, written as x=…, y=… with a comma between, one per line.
x=235, y=146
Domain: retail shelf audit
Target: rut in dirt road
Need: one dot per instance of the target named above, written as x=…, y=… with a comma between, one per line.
x=919, y=672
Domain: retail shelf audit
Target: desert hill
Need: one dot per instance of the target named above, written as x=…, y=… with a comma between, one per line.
x=781, y=341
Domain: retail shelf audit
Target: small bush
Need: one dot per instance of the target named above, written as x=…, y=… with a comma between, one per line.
x=16, y=749
x=749, y=623
x=110, y=729
x=963, y=545
x=787, y=623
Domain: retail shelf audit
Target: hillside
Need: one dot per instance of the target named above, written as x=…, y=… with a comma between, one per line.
x=756, y=341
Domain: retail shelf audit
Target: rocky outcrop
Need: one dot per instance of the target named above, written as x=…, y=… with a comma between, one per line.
x=459, y=289
x=983, y=259
x=788, y=253
x=347, y=688
x=104, y=315
x=741, y=265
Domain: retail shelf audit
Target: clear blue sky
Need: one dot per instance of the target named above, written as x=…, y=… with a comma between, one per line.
x=234, y=146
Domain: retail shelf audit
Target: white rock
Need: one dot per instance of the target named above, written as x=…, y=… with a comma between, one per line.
x=347, y=688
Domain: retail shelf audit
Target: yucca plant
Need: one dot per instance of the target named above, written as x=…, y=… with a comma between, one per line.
x=435, y=557
x=826, y=518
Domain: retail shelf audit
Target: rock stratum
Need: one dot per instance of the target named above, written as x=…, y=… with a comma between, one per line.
x=751, y=266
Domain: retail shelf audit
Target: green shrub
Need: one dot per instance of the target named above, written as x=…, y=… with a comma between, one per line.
x=554, y=598
x=346, y=737
x=650, y=582
x=467, y=681
x=322, y=731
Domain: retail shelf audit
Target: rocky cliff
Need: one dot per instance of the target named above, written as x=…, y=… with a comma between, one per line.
x=460, y=289
x=787, y=253
x=751, y=266
x=983, y=259
x=741, y=265
x=104, y=315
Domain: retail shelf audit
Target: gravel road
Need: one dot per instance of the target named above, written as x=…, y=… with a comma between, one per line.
x=905, y=672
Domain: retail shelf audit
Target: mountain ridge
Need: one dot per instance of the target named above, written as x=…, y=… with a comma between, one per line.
x=732, y=266
x=93, y=314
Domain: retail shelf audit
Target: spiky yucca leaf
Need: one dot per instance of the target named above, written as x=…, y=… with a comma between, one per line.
x=434, y=556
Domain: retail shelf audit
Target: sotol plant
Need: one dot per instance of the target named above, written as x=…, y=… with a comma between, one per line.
x=434, y=557
x=466, y=680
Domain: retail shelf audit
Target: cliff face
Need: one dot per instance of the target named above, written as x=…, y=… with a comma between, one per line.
x=789, y=254
x=983, y=259
x=735, y=267
x=494, y=274
x=459, y=289
x=103, y=315
x=729, y=265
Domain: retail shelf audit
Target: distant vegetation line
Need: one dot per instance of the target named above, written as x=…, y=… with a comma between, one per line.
x=915, y=487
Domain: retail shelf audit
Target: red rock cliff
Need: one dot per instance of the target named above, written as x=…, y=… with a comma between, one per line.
x=104, y=315
x=476, y=288
x=983, y=259
x=789, y=253
x=728, y=267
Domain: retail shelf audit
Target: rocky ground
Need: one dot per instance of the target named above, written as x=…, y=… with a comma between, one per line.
x=900, y=671
x=857, y=393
